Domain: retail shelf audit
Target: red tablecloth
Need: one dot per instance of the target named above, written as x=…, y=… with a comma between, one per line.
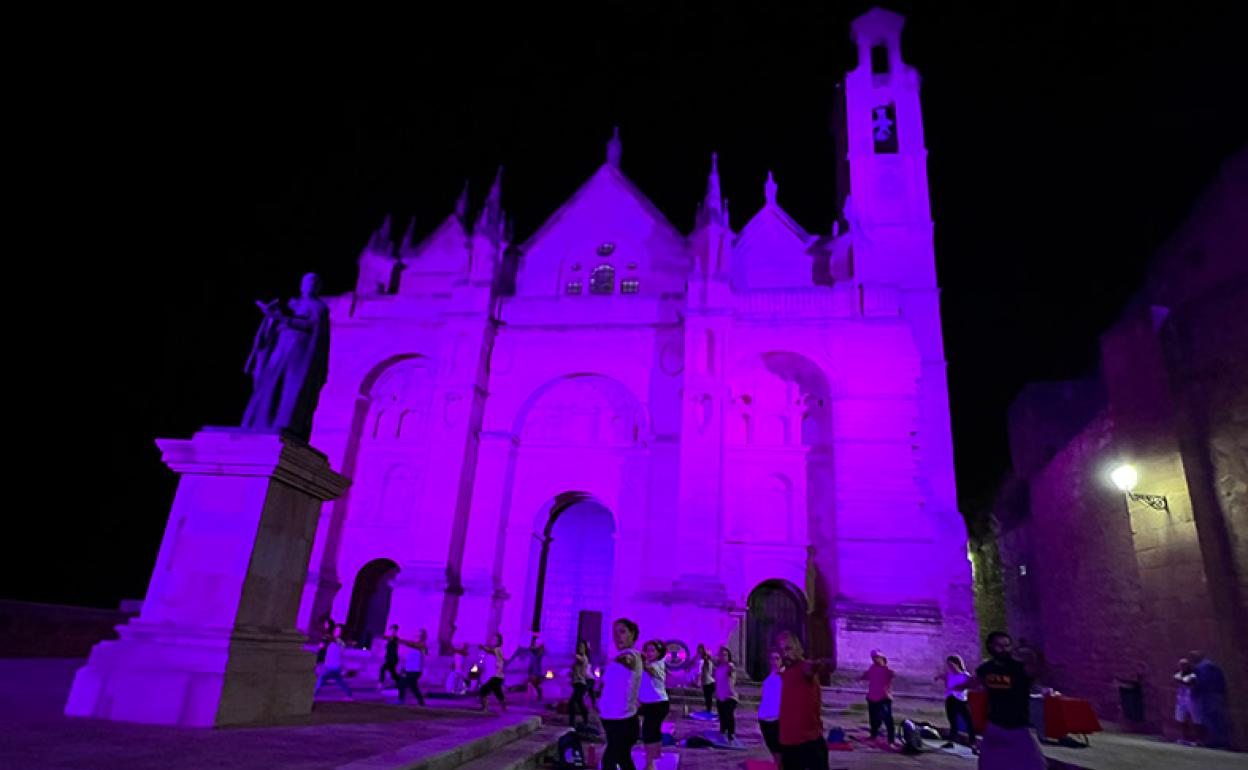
x=1066, y=716
x=1062, y=716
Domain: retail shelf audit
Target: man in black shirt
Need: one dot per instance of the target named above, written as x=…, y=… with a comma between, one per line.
x=391, y=663
x=1008, y=743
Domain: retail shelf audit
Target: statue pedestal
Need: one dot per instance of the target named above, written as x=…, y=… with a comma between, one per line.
x=216, y=642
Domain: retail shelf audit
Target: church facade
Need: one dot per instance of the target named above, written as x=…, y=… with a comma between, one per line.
x=718, y=434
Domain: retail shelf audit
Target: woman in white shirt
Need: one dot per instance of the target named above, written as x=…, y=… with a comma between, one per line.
x=955, y=699
x=492, y=672
x=653, y=699
x=706, y=677
x=617, y=706
x=769, y=707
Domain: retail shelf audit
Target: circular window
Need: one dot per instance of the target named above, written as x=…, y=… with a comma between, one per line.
x=606, y=249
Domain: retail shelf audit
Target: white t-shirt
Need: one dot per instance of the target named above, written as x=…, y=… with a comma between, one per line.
x=953, y=678
x=769, y=706
x=707, y=672
x=414, y=663
x=620, y=685
x=490, y=667
x=654, y=685
x=333, y=656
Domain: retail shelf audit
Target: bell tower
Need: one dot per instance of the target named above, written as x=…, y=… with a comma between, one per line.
x=887, y=197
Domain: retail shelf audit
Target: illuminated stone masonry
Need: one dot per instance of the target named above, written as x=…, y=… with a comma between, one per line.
x=719, y=434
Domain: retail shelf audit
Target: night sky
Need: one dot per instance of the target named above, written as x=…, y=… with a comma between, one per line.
x=171, y=182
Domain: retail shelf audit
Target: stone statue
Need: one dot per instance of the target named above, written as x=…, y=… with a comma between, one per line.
x=288, y=362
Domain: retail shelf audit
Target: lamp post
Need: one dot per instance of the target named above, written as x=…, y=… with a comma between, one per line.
x=1125, y=478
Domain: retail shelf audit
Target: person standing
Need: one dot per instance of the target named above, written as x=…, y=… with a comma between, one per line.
x=802, y=743
x=617, y=705
x=879, y=678
x=537, y=674
x=1008, y=742
x=332, y=668
x=769, y=707
x=391, y=662
x=956, y=678
x=726, y=696
x=1210, y=698
x=413, y=667
x=1185, y=711
x=653, y=699
x=492, y=672
x=706, y=677
x=580, y=683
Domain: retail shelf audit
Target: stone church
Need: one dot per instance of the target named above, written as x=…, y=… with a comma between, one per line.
x=719, y=433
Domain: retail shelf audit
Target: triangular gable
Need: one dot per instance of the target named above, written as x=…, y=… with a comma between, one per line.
x=772, y=251
x=444, y=251
x=607, y=222
x=611, y=176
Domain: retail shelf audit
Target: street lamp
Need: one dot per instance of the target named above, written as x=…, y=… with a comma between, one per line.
x=1125, y=478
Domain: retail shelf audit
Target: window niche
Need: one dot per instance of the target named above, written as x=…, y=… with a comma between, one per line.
x=602, y=280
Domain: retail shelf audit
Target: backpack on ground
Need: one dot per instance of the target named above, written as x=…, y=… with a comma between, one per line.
x=911, y=740
x=571, y=754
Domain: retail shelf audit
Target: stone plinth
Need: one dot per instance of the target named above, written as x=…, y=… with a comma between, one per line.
x=216, y=643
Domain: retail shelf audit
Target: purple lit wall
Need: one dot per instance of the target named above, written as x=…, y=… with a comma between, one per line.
x=729, y=407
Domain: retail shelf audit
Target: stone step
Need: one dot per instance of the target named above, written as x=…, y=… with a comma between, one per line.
x=524, y=753
x=448, y=752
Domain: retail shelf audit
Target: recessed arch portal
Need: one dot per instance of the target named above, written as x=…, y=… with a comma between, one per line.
x=370, y=600
x=574, y=566
x=773, y=606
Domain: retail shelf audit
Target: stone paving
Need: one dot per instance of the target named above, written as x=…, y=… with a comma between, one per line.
x=369, y=730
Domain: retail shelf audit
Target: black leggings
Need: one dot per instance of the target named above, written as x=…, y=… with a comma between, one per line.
x=811, y=755
x=411, y=681
x=954, y=708
x=621, y=737
x=393, y=667
x=728, y=717
x=881, y=711
x=495, y=685
x=652, y=716
x=577, y=703
x=708, y=695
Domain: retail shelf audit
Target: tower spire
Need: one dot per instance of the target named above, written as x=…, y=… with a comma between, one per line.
x=461, y=204
x=769, y=190
x=614, y=148
x=714, y=201
x=490, y=219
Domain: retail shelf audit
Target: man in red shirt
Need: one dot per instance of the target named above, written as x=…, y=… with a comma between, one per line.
x=802, y=745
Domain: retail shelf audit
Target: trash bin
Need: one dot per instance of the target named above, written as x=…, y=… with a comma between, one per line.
x=1131, y=697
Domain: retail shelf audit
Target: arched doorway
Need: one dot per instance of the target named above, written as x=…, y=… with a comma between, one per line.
x=370, y=601
x=774, y=606
x=574, y=575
